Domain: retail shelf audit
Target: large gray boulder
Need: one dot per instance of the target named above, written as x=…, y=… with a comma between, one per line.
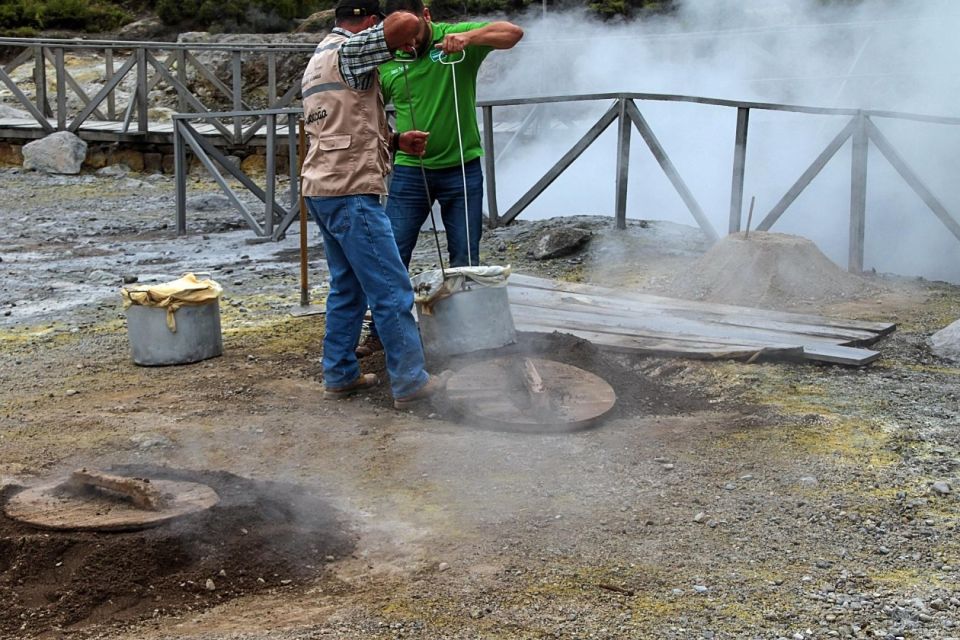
x=60, y=152
x=946, y=342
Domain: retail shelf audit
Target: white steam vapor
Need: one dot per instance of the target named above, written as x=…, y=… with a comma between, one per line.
x=874, y=54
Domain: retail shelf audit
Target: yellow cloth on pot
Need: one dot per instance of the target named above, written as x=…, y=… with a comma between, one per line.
x=188, y=290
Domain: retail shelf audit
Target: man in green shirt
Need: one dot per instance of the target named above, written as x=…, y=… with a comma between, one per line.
x=421, y=88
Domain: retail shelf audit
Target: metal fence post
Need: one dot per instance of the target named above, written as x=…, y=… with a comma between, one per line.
x=739, y=169
x=271, y=173
x=858, y=195
x=489, y=160
x=237, y=73
x=60, y=74
x=181, y=78
x=180, y=169
x=624, y=125
x=107, y=76
x=143, y=118
x=40, y=81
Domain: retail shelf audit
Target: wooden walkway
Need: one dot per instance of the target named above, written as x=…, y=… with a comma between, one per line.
x=628, y=321
x=113, y=131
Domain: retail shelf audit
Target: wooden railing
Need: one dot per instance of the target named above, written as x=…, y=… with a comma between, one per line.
x=147, y=66
x=858, y=126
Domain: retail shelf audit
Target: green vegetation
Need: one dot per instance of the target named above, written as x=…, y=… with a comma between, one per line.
x=27, y=18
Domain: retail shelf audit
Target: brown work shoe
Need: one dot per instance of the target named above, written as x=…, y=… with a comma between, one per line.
x=436, y=384
x=364, y=382
x=370, y=345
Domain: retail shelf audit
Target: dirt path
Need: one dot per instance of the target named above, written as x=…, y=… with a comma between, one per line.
x=722, y=500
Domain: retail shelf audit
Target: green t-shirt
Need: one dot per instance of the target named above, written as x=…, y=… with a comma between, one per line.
x=431, y=90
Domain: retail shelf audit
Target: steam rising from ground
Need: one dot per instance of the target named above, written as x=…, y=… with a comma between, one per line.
x=892, y=55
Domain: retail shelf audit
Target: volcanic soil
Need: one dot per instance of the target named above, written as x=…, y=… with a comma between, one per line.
x=718, y=499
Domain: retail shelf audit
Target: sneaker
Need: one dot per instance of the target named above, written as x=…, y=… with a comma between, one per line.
x=370, y=345
x=436, y=384
x=364, y=382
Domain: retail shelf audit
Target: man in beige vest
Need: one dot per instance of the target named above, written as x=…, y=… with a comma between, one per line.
x=343, y=181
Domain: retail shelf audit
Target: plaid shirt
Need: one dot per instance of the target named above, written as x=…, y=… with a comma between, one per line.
x=361, y=55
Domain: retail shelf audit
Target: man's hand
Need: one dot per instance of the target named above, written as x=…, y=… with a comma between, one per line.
x=454, y=42
x=414, y=142
x=498, y=35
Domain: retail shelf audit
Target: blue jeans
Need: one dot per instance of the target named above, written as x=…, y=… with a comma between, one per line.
x=365, y=269
x=408, y=207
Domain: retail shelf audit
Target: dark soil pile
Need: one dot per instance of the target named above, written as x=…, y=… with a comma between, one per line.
x=262, y=535
x=637, y=393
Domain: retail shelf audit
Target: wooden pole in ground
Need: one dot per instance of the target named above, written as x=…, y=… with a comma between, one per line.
x=746, y=234
x=304, y=288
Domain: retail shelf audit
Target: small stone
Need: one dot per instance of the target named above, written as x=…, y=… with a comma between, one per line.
x=941, y=487
x=70, y=392
x=807, y=481
x=699, y=588
x=443, y=566
x=209, y=585
x=476, y=613
x=699, y=517
x=667, y=466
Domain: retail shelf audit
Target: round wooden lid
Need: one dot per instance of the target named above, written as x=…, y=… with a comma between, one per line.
x=58, y=506
x=529, y=394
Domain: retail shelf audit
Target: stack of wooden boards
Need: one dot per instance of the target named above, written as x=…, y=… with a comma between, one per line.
x=628, y=321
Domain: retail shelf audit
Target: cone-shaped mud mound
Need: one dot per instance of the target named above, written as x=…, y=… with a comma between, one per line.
x=262, y=535
x=768, y=270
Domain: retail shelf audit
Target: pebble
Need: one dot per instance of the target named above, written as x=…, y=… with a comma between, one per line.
x=443, y=566
x=209, y=585
x=941, y=487
x=699, y=588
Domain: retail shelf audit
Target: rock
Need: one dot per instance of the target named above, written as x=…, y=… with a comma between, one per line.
x=147, y=29
x=160, y=114
x=946, y=342
x=113, y=171
x=319, y=22
x=207, y=203
x=807, y=481
x=290, y=64
x=559, y=241
x=941, y=487
x=151, y=440
x=105, y=277
x=210, y=585
x=6, y=111
x=60, y=152
x=443, y=566
x=476, y=613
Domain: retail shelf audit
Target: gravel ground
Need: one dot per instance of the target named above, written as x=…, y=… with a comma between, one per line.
x=795, y=501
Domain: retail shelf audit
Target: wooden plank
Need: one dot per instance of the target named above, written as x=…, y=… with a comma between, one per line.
x=520, y=280
x=838, y=354
x=640, y=315
x=665, y=326
x=703, y=350
x=664, y=329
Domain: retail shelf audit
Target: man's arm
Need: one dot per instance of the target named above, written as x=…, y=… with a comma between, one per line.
x=497, y=35
x=365, y=51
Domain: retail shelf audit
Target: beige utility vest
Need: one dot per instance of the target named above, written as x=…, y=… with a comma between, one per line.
x=348, y=152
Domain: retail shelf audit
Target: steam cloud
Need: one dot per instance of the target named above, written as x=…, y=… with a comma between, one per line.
x=875, y=54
